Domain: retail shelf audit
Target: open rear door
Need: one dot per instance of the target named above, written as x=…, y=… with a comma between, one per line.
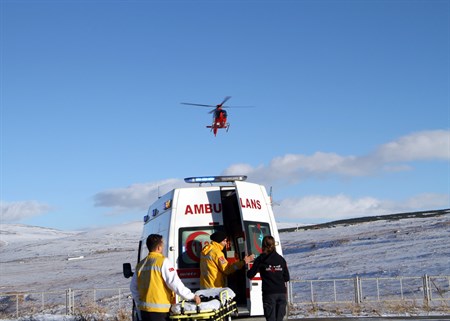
x=257, y=221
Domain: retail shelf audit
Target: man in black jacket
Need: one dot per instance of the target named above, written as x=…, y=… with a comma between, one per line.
x=274, y=274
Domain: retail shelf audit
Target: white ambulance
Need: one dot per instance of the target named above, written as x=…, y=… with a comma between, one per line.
x=186, y=217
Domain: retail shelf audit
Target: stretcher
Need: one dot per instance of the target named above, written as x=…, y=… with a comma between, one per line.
x=217, y=304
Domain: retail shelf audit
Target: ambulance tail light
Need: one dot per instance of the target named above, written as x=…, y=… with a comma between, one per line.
x=215, y=179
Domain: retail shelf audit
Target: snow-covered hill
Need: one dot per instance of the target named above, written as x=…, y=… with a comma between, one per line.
x=18, y=233
x=40, y=259
x=406, y=247
x=88, y=259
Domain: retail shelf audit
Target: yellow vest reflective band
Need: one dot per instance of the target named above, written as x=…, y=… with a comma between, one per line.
x=154, y=295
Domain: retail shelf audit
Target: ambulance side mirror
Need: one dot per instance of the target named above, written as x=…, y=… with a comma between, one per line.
x=127, y=272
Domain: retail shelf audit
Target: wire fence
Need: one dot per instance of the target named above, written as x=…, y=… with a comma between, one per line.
x=66, y=302
x=360, y=295
x=305, y=297
x=365, y=290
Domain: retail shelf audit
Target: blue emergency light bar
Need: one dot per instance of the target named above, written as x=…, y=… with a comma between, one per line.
x=215, y=179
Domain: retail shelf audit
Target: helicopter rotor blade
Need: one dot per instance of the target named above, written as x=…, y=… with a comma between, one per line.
x=224, y=101
x=201, y=105
x=217, y=106
x=238, y=106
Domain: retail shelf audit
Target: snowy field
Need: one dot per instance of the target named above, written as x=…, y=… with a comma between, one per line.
x=35, y=259
x=407, y=247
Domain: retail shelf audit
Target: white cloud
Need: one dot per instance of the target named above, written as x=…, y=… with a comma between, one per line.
x=16, y=211
x=136, y=196
x=417, y=146
x=427, y=201
x=292, y=168
x=319, y=208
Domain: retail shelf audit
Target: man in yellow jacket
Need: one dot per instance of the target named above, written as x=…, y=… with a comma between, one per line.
x=214, y=267
x=154, y=282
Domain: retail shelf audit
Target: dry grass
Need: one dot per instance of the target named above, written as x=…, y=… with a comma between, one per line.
x=93, y=312
x=377, y=309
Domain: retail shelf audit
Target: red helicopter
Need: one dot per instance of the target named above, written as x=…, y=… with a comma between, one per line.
x=219, y=114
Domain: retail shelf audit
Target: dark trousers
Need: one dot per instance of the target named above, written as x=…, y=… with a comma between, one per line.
x=154, y=316
x=274, y=306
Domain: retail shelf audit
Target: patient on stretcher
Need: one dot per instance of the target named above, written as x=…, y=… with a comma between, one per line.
x=212, y=300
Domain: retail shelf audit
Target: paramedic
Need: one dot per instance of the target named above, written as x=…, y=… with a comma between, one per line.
x=154, y=282
x=274, y=274
x=214, y=267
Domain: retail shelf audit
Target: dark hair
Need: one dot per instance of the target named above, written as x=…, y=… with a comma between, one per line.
x=268, y=244
x=218, y=236
x=153, y=241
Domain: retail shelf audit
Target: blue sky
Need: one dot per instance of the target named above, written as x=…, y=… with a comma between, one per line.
x=351, y=117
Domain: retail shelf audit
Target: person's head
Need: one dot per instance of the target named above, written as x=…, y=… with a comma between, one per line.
x=268, y=244
x=154, y=243
x=219, y=237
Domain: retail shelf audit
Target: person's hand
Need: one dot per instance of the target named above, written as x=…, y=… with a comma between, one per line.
x=197, y=299
x=249, y=258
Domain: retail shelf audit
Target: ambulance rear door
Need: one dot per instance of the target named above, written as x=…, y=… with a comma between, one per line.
x=198, y=214
x=257, y=221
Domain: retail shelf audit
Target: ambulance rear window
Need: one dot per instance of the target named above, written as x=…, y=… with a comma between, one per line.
x=255, y=233
x=192, y=240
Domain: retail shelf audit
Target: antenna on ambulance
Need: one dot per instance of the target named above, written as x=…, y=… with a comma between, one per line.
x=272, y=203
x=159, y=195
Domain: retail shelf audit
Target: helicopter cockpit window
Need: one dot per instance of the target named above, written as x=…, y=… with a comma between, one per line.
x=255, y=233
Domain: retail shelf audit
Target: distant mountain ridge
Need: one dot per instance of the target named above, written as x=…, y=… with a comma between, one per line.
x=364, y=219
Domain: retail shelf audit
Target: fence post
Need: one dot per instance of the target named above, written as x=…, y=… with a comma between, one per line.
x=334, y=290
x=289, y=299
x=426, y=288
x=69, y=301
x=401, y=287
x=17, y=306
x=120, y=294
x=66, y=304
x=357, y=290
x=378, y=290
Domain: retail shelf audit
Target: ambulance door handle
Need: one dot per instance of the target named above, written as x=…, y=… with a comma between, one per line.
x=255, y=283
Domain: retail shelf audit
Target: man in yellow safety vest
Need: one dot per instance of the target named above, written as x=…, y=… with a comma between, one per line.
x=154, y=282
x=214, y=267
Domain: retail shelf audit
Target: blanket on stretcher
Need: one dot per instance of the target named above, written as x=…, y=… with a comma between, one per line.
x=212, y=299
